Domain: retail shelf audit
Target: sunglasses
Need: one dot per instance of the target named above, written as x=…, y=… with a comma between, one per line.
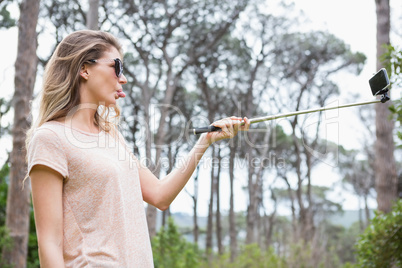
x=118, y=65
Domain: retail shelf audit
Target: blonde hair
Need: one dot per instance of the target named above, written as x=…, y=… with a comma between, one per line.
x=61, y=81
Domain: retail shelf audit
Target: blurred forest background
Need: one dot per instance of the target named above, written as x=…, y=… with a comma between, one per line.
x=191, y=62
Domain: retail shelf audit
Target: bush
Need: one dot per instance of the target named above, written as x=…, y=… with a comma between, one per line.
x=381, y=243
x=5, y=239
x=170, y=249
x=5, y=243
x=250, y=256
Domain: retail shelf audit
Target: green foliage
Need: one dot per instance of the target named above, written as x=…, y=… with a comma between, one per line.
x=170, y=249
x=6, y=21
x=5, y=243
x=33, y=254
x=5, y=239
x=396, y=109
x=300, y=255
x=393, y=61
x=341, y=241
x=250, y=256
x=381, y=243
x=349, y=265
x=5, y=107
x=4, y=171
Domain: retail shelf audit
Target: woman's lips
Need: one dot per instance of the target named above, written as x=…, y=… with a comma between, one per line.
x=120, y=93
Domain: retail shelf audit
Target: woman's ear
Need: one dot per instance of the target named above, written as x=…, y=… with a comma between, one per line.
x=84, y=72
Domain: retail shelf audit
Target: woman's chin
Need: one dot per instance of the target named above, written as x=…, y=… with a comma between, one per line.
x=112, y=101
x=109, y=102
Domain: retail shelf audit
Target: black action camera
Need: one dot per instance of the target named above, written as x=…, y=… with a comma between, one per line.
x=379, y=84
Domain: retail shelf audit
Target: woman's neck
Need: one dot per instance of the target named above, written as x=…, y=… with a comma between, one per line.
x=83, y=118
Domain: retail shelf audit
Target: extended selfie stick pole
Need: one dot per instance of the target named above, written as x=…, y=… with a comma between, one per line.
x=379, y=84
x=201, y=130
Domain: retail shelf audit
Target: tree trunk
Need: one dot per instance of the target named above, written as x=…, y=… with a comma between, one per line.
x=361, y=224
x=367, y=210
x=151, y=210
x=309, y=229
x=232, y=219
x=270, y=229
x=18, y=199
x=303, y=211
x=171, y=86
x=218, y=208
x=208, y=241
x=292, y=207
x=93, y=15
x=253, y=205
x=385, y=169
x=195, y=200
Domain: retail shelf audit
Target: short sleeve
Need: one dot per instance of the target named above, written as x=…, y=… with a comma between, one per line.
x=46, y=149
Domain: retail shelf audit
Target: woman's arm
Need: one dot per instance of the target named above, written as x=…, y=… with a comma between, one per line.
x=47, y=188
x=161, y=193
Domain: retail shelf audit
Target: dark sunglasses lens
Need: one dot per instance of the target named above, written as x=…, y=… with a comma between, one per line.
x=118, y=67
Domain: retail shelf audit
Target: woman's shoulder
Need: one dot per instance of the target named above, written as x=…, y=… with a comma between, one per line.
x=49, y=130
x=50, y=127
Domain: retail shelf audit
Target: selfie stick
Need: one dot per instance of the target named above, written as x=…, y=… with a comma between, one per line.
x=379, y=84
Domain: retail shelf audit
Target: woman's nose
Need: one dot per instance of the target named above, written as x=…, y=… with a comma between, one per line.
x=122, y=79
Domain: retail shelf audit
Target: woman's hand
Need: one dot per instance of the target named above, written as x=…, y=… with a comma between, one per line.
x=229, y=128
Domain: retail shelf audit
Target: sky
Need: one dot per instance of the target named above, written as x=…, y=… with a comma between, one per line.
x=353, y=21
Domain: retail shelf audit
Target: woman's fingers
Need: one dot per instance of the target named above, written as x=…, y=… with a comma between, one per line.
x=229, y=128
x=246, y=125
x=228, y=125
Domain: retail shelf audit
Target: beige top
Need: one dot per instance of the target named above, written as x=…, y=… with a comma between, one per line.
x=104, y=216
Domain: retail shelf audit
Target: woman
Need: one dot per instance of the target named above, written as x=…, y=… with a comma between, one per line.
x=87, y=187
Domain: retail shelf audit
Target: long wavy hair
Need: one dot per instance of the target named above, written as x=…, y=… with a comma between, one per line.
x=61, y=81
